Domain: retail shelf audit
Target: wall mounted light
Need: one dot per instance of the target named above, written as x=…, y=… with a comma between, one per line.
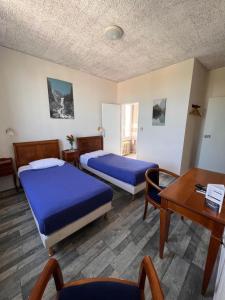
x=101, y=130
x=10, y=132
x=195, y=110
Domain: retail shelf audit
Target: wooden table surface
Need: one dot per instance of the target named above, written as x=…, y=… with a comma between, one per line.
x=181, y=197
x=182, y=192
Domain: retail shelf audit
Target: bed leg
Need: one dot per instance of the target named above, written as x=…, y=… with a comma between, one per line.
x=50, y=251
x=133, y=197
x=105, y=216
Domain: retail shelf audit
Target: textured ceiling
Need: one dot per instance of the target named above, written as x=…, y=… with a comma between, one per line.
x=158, y=33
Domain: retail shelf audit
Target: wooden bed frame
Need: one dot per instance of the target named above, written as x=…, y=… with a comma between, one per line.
x=29, y=151
x=89, y=144
x=94, y=143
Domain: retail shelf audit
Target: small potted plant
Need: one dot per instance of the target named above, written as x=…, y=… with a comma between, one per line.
x=70, y=138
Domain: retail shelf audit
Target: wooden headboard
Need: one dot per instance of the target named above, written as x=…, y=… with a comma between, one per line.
x=29, y=151
x=89, y=144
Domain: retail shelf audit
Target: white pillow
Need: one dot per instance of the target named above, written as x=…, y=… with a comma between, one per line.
x=46, y=163
x=84, y=158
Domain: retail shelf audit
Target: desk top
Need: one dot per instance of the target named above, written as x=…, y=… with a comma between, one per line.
x=182, y=192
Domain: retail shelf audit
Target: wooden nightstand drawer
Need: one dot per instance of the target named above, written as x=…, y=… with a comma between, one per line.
x=6, y=168
x=71, y=156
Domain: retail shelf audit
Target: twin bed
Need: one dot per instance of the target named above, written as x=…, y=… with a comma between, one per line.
x=64, y=199
x=126, y=173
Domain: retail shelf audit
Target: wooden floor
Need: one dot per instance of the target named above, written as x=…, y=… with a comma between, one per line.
x=107, y=247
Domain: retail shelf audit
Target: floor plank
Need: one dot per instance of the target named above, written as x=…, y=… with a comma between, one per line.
x=106, y=247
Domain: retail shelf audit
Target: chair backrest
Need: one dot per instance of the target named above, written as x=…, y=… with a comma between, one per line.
x=152, y=179
x=52, y=268
x=147, y=268
x=153, y=174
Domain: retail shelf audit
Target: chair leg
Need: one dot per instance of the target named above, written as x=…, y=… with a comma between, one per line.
x=182, y=218
x=51, y=251
x=145, y=211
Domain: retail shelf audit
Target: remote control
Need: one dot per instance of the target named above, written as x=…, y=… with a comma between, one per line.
x=200, y=187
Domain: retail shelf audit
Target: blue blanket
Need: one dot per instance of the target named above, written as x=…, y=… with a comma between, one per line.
x=61, y=195
x=128, y=170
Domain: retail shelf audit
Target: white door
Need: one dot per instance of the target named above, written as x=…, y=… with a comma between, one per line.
x=213, y=143
x=111, y=123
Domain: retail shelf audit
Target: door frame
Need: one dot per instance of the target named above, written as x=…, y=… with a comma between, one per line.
x=130, y=103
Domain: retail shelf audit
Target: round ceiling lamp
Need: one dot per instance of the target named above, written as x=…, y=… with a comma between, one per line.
x=113, y=32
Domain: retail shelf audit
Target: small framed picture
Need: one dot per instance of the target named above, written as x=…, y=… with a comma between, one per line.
x=159, y=112
x=60, y=95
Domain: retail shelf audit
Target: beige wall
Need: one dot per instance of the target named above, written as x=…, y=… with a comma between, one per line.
x=161, y=144
x=24, y=100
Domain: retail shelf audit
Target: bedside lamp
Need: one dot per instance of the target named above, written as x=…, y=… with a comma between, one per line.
x=101, y=130
x=10, y=132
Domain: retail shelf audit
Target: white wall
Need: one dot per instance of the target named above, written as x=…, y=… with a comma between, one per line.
x=216, y=84
x=191, y=146
x=161, y=144
x=215, y=87
x=24, y=101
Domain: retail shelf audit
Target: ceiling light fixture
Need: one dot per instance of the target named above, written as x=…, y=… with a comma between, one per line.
x=113, y=32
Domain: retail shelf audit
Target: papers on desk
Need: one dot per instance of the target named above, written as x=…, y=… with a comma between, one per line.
x=214, y=196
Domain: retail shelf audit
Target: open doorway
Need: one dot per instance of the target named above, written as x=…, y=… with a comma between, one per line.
x=129, y=127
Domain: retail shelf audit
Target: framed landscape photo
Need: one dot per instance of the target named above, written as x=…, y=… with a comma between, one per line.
x=60, y=95
x=159, y=112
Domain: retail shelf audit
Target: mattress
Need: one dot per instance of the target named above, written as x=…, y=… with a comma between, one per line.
x=62, y=194
x=131, y=171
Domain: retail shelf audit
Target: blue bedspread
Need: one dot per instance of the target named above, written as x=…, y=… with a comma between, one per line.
x=61, y=195
x=128, y=170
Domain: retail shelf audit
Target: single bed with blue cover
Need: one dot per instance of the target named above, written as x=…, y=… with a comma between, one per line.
x=127, y=173
x=63, y=199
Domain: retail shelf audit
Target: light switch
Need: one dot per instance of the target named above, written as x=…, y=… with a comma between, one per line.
x=207, y=136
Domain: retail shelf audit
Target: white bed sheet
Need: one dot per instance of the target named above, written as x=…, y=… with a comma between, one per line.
x=23, y=168
x=85, y=157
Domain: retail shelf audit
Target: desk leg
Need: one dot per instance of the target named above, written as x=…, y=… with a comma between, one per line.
x=164, y=217
x=213, y=249
x=167, y=226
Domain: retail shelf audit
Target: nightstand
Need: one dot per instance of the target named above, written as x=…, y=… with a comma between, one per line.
x=6, y=168
x=71, y=156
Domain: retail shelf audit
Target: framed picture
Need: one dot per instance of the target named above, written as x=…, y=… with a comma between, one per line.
x=60, y=95
x=159, y=112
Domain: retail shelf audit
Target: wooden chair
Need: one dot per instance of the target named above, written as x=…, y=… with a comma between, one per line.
x=98, y=288
x=153, y=188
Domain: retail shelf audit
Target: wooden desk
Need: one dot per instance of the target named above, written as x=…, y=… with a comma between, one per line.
x=181, y=197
